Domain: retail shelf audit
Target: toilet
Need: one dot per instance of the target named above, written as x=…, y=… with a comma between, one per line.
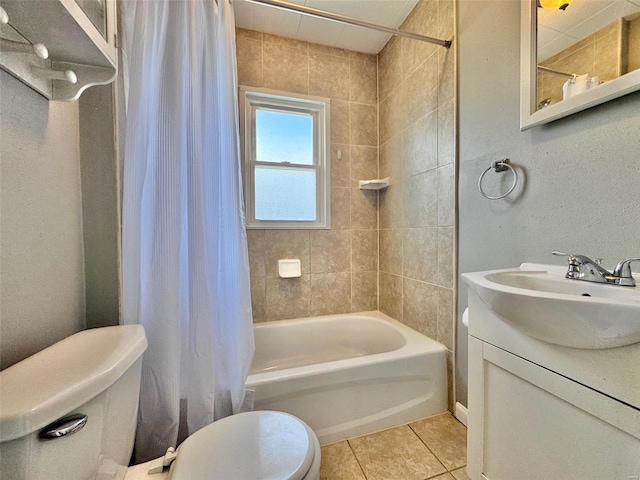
x=70, y=412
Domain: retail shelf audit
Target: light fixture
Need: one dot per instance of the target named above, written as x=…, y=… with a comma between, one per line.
x=554, y=4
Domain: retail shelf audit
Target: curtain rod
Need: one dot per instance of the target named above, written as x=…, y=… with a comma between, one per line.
x=558, y=73
x=315, y=12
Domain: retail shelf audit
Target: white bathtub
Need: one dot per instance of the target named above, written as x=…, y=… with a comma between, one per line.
x=348, y=375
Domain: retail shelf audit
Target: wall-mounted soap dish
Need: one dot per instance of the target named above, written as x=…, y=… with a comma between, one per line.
x=375, y=184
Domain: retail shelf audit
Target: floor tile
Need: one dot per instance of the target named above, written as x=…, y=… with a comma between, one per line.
x=444, y=476
x=339, y=463
x=460, y=474
x=395, y=454
x=445, y=437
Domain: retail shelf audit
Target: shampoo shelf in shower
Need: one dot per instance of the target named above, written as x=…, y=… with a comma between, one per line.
x=375, y=184
x=73, y=42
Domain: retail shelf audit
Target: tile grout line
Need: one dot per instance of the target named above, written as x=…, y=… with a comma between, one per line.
x=357, y=460
x=432, y=452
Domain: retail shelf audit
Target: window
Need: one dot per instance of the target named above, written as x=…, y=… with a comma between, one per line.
x=285, y=167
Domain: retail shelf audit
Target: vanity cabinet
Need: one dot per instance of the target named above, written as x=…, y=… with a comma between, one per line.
x=542, y=411
x=80, y=38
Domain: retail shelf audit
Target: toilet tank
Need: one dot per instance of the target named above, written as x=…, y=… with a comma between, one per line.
x=94, y=373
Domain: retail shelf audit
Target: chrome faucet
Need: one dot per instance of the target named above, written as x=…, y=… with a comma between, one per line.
x=583, y=268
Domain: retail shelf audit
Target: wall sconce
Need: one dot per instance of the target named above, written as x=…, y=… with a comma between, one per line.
x=554, y=4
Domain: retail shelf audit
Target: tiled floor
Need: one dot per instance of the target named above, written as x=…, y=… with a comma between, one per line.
x=434, y=448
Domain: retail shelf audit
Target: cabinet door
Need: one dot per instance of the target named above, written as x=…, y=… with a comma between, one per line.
x=526, y=422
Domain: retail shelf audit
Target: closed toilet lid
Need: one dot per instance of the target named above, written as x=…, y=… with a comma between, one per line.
x=261, y=445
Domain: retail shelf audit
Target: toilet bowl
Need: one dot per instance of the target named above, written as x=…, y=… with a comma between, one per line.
x=70, y=412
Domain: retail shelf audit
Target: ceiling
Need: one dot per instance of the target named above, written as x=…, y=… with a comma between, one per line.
x=558, y=29
x=390, y=13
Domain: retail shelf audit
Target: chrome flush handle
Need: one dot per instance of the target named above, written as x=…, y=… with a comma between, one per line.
x=64, y=426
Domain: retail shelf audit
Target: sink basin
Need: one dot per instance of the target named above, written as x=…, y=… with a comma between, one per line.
x=540, y=302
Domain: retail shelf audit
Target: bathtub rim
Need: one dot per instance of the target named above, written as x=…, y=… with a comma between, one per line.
x=416, y=345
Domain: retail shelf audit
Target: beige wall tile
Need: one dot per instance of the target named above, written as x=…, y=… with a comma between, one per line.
x=451, y=400
x=285, y=68
x=420, y=307
x=420, y=146
x=446, y=437
x=391, y=159
x=391, y=120
x=390, y=295
x=364, y=164
x=249, y=55
x=445, y=256
x=389, y=68
x=419, y=92
x=258, y=293
x=445, y=317
x=445, y=19
x=446, y=201
x=287, y=297
x=255, y=245
x=285, y=244
x=390, y=210
x=363, y=124
x=340, y=208
x=329, y=76
x=446, y=133
x=339, y=463
x=420, y=254
x=364, y=208
x=330, y=293
x=315, y=48
x=396, y=453
x=364, y=291
x=391, y=251
x=363, y=81
x=285, y=42
x=339, y=122
x=252, y=34
x=330, y=251
x=340, y=169
x=422, y=20
x=446, y=74
x=420, y=202
x=364, y=250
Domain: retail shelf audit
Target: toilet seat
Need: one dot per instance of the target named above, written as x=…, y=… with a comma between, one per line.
x=261, y=445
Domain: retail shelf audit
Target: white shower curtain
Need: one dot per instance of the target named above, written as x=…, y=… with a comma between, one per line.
x=185, y=265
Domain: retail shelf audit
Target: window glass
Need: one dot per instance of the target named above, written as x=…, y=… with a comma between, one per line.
x=284, y=137
x=285, y=194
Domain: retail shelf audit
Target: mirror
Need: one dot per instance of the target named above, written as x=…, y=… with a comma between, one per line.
x=577, y=57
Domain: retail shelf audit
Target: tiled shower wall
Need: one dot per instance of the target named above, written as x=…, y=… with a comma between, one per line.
x=409, y=100
x=340, y=265
x=417, y=150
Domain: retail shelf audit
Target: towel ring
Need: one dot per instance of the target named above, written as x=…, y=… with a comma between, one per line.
x=499, y=166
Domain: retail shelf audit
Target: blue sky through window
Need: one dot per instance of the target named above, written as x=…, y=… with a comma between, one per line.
x=284, y=137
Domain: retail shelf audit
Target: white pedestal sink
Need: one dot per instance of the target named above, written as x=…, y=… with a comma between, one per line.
x=554, y=376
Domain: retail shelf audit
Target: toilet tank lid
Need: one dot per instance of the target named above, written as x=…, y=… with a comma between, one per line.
x=48, y=385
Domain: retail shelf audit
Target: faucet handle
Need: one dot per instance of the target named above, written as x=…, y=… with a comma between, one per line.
x=573, y=260
x=623, y=269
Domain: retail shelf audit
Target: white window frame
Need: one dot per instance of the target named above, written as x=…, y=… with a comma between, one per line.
x=252, y=98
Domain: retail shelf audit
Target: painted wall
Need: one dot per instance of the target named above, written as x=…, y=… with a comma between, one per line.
x=339, y=266
x=41, y=246
x=100, y=207
x=417, y=150
x=580, y=175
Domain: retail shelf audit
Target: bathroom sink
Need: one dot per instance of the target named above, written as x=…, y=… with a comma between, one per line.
x=540, y=302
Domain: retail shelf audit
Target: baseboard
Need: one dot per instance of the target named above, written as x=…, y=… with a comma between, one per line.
x=461, y=413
